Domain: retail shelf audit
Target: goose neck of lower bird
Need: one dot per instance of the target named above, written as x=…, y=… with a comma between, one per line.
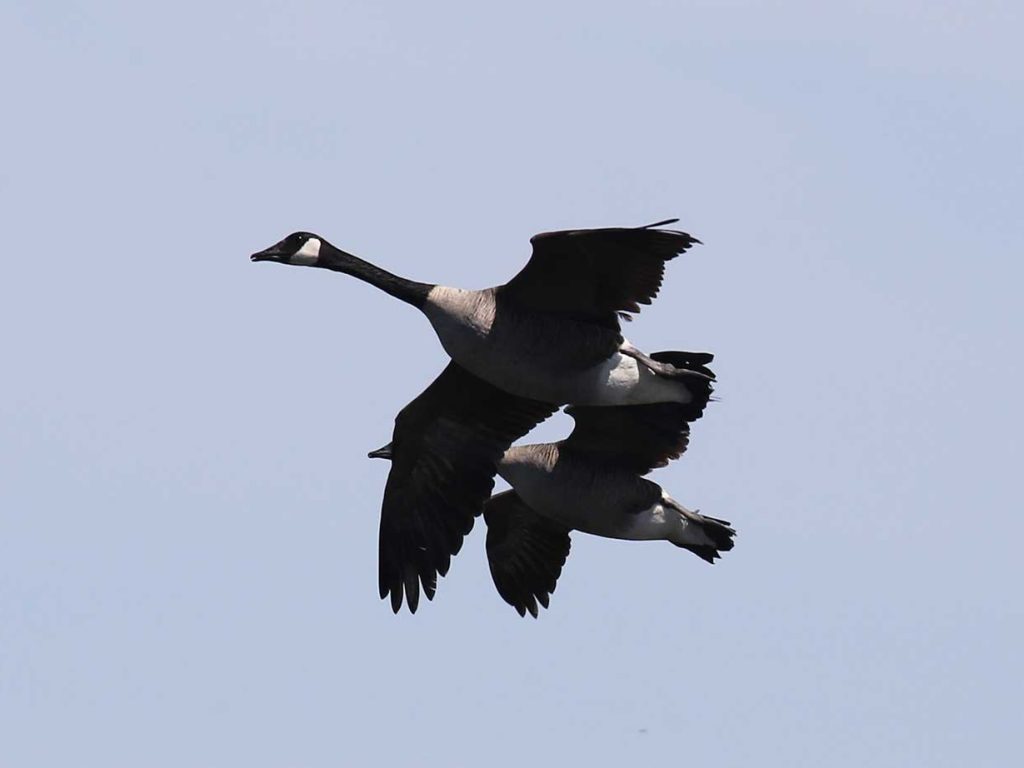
x=408, y=291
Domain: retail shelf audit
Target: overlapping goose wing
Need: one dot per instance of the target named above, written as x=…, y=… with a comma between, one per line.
x=525, y=551
x=639, y=438
x=445, y=450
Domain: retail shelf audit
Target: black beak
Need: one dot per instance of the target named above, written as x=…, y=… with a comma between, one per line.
x=381, y=453
x=271, y=254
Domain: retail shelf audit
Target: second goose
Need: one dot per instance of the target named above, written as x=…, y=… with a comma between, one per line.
x=591, y=481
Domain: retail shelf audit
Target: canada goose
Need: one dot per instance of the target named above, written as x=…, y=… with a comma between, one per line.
x=552, y=332
x=591, y=482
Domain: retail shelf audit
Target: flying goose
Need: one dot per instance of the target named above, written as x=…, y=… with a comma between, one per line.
x=552, y=332
x=592, y=481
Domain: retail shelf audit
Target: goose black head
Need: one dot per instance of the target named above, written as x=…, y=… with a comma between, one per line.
x=302, y=248
x=383, y=452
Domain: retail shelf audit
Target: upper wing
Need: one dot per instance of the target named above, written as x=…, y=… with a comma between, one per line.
x=445, y=450
x=525, y=551
x=639, y=438
x=592, y=274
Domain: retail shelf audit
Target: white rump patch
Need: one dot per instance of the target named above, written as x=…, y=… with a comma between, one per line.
x=308, y=254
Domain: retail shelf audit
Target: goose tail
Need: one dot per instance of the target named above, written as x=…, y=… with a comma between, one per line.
x=707, y=537
x=690, y=371
x=683, y=364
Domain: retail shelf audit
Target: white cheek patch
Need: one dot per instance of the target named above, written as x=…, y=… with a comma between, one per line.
x=308, y=254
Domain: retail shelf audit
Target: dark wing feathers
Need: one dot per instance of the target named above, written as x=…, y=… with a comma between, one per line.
x=639, y=438
x=445, y=450
x=525, y=552
x=634, y=438
x=594, y=274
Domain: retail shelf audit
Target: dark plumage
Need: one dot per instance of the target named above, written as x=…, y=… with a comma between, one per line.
x=595, y=274
x=525, y=552
x=446, y=446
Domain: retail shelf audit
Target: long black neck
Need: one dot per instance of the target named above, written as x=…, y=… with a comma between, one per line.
x=408, y=291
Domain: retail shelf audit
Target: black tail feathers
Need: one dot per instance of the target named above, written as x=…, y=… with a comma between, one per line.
x=719, y=533
x=687, y=361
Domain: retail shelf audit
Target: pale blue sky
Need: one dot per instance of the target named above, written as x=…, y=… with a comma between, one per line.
x=188, y=521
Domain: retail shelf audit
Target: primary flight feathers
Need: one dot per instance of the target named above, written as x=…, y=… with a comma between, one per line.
x=445, y=450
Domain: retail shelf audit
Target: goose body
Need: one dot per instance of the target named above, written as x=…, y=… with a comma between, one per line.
x=611, y=503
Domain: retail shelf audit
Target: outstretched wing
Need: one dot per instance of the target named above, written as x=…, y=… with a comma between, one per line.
x=445, y=450
x=640, y=438
x=594, y=274
x=525, y=551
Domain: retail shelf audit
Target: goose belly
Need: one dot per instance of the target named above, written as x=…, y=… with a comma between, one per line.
x=622, y=380
x=645, y=524
x=540, y=360
x=619, y=380
x=597, y=515
x=603, y=504
x=569, y=504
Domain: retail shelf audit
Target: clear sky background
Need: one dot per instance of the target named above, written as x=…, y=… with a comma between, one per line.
x=188, y=522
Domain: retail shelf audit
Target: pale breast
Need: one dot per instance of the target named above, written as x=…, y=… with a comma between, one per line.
x=462, y=319
x=577, y=494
